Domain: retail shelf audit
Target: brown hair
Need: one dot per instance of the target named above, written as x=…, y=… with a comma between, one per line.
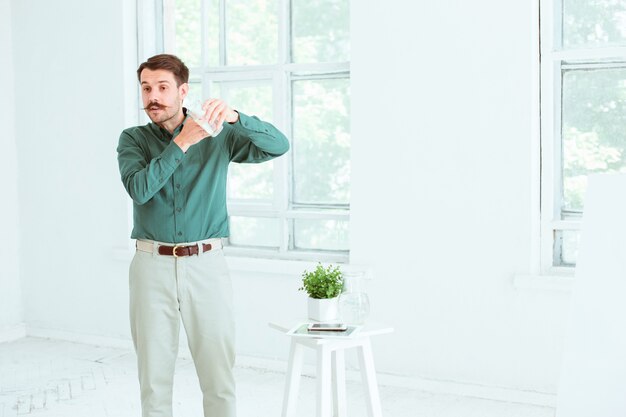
x=169, y=63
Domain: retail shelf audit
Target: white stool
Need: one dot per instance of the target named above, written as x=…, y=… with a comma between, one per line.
x=331, y=371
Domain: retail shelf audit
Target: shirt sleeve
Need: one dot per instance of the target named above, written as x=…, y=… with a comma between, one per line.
x=252, y=140
x=142, y=175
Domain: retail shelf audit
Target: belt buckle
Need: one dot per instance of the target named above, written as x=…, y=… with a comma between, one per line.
x=174, y=251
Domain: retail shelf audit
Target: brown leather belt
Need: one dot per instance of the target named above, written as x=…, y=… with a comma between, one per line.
x=178, y=251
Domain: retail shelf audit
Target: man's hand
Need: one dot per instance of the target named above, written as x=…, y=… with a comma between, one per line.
x=190, y=134
x=217, y=111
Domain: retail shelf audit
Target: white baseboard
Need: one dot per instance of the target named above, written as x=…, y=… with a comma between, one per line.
x=508, y=395
x=280, y=366
x=9, y=334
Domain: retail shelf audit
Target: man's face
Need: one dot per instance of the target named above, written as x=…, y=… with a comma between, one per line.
x=162, y=99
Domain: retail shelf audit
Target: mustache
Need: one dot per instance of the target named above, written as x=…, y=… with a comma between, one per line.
x=155, y=104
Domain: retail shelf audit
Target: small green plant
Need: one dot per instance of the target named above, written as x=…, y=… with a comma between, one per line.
x=322, y=282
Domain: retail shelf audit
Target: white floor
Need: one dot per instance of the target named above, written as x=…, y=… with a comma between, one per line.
x=48, y=378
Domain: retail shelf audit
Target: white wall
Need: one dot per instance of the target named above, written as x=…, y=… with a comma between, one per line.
x=441, y=199
x=449, y=88
x=70, y=111
x=10, y=297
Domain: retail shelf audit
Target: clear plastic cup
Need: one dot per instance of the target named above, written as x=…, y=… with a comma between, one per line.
x=197, y=114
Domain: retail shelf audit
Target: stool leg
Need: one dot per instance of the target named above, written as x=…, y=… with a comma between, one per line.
x=292, y=384
x=368, y=374
x=339, y=384
x=323, y=380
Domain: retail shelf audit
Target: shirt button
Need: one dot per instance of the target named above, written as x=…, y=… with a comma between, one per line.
x=177, y=185
x=179, y=209
x=180, y=233
x=177, y=160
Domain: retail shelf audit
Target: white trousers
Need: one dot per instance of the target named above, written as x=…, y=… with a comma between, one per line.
x=198, y=289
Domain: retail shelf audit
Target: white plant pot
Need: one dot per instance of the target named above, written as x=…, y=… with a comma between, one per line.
x=323, y=309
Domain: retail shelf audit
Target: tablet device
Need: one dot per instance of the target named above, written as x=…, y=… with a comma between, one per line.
x=330, y=327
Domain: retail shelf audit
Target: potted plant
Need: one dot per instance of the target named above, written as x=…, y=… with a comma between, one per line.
x=323, y=286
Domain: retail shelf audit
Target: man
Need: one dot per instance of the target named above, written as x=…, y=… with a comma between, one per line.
x=176, y=176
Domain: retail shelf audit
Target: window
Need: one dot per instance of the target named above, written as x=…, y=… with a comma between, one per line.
x=287, y=62
x=583, y=113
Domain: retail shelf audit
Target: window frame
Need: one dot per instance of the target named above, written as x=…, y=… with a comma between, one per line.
x=554, y=59
x=282, y=75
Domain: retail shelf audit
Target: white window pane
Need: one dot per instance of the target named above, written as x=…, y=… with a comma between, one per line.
x=213, y=32
x=321, y=135
x=593, y=23
x=566, y=243
x=250, y=181
x=194, y=95
x=188, y=23
x=215, y=91
x=251, y=32
x=321, y=30
x=255, y=99
x=254, y=231
x=594, y=138
x=316, y=234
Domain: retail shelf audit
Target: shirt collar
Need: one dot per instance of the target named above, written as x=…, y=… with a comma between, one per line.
x=163, y=134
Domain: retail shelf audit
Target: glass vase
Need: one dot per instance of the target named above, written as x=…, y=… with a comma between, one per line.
x=354, y=304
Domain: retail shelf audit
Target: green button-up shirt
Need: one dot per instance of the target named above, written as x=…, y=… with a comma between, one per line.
x=181, y=197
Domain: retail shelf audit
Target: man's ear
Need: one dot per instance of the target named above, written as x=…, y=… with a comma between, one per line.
x=183, y=90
